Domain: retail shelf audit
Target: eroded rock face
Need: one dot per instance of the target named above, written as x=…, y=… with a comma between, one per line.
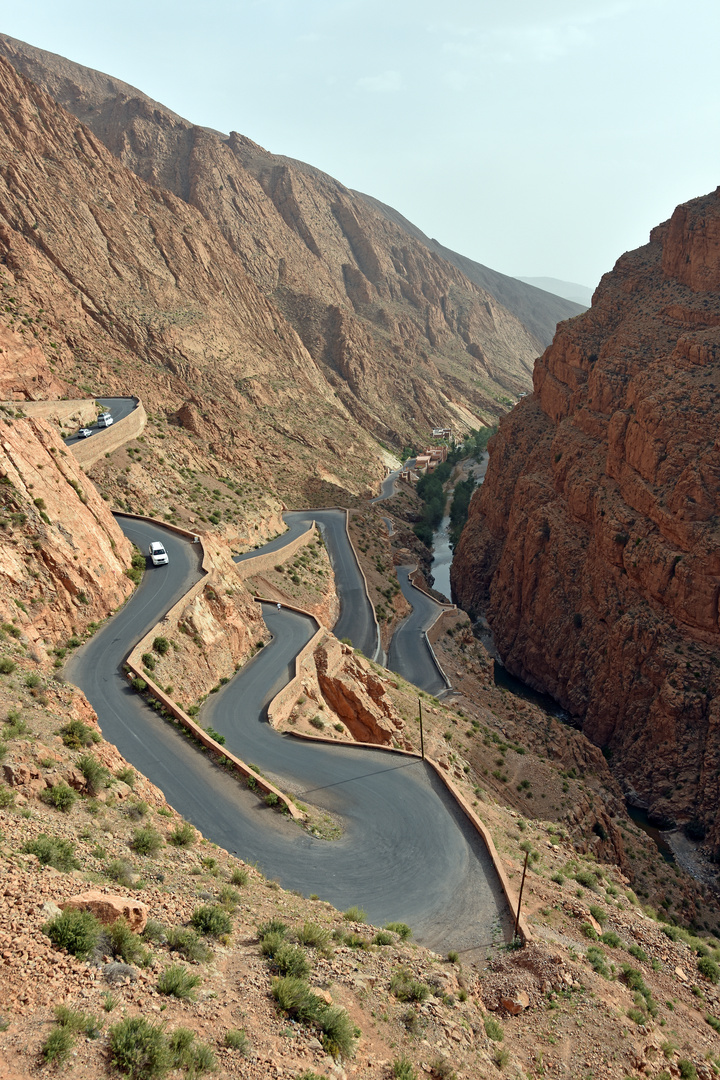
x=594, y=545
x=355, y=694
x=62, y=556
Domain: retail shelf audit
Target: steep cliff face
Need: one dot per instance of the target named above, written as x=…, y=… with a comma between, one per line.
x=401, y=335
x=62, y=557
x=127, y=289
x=594, y=544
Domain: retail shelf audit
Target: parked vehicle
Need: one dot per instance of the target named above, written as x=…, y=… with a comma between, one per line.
x=104, y=419
x=158, y=554
x=84, y=433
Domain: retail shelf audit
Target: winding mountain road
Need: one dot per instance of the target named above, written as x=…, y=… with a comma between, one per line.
x=407, y=852
x=410, y=654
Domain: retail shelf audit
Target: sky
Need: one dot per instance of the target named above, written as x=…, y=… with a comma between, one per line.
x=541, y=139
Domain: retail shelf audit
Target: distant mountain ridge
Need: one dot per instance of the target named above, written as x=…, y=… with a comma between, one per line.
x=570, y=290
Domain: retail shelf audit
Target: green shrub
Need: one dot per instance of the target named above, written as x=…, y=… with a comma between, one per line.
x=211, y=919
x=637, y=952
x=78, y=932
x=76, y=735
x=57, y=1047
x=124, y=942
x=402, y=1069
x=493, y=1029
x=194, y=1057
x=453, y=956
x=589, y=931
x=611, y=939
x=709, y=969
x=354, y=914
x=7, y=666
x=95, y=773
x=188, y=943
x=295, y=997
x=713, y=1022
x=236, y=1039
x=7, y=797
x=183, y=836
x=271, y=944
x=596, y=958
x=121, y=871
x=60, y=795
x=77, y=1021
x=598, y=914
x=687, y=1069
x=406, y=987
x=161, y=645
x=338, y=1032
x=139, y=1049
x=149, y=661
x=400, y=928
x=318, y=937
x=586, y=878
x=229, y=897
x=177, y=981
x=146, y=840
x=292, y=960
x=138, y=684
x=53, y=851
x=239, y=877
x=272, y=926
x=383, y=937
x=126, y=775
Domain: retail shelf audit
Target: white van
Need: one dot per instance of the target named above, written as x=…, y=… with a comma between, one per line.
x=104, y=419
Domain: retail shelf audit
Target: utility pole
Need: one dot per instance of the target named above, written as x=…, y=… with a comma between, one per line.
x=422, y=741
x=522, y=886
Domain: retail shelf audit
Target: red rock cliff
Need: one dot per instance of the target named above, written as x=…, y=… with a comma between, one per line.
x=594, y=544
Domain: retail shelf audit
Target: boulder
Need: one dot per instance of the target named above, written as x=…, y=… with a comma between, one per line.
x=515, y=1001
x=108, y=908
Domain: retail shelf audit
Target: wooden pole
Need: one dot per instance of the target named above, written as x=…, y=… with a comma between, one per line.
x=422, y=740
x=522, y=886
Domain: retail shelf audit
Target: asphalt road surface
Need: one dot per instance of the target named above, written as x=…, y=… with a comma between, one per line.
x=409, y=654
x=387, y=487
x=407, y=852
x=120, y=407
x=356, y=620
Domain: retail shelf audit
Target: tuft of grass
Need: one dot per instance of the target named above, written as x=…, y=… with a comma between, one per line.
x=78, y=932
x=292, y=960
x=188, y=943
x=236, y=1039
x=383, y=937
x=53, y=851
x=58, y=1046
x=139, y=1049
x=211, y=919
x=354, y=914
x=406, y=987
x=272, y=926
x=709, y=969
x=596, y=958
x=146, y=840
x=611, y=939
x=121, y=871
x=183, y=836
x=177, y=981
x=123, y=942
x=229, y=897
x=76, y=1021
x=314, y=935
x=95, y=773
x=400, y=928
x=239, y=877
x=493, y=1029
x=402, y=1069
x=126, y=775
x=637, y=952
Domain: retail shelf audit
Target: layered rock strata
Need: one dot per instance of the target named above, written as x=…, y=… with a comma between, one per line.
x=594, y=544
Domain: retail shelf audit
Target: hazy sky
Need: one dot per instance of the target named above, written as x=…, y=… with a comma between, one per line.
x=540, y=138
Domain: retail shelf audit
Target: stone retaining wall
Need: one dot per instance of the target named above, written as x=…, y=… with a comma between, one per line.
x=79, y=410
x=259, y=564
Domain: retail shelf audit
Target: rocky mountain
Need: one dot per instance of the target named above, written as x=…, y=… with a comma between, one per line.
x=593, y=544
x=401, y=332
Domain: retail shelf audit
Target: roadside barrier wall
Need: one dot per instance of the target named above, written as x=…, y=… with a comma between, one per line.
x=112, y=438
x=260, y=564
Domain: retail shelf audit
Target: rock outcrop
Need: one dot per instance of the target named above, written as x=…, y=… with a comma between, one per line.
x=62, y=556
x=403, y=332
x=593, y=544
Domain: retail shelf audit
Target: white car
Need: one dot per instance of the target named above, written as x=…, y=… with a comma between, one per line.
x=158, y=554
x=104, y=420
x=84, y=433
